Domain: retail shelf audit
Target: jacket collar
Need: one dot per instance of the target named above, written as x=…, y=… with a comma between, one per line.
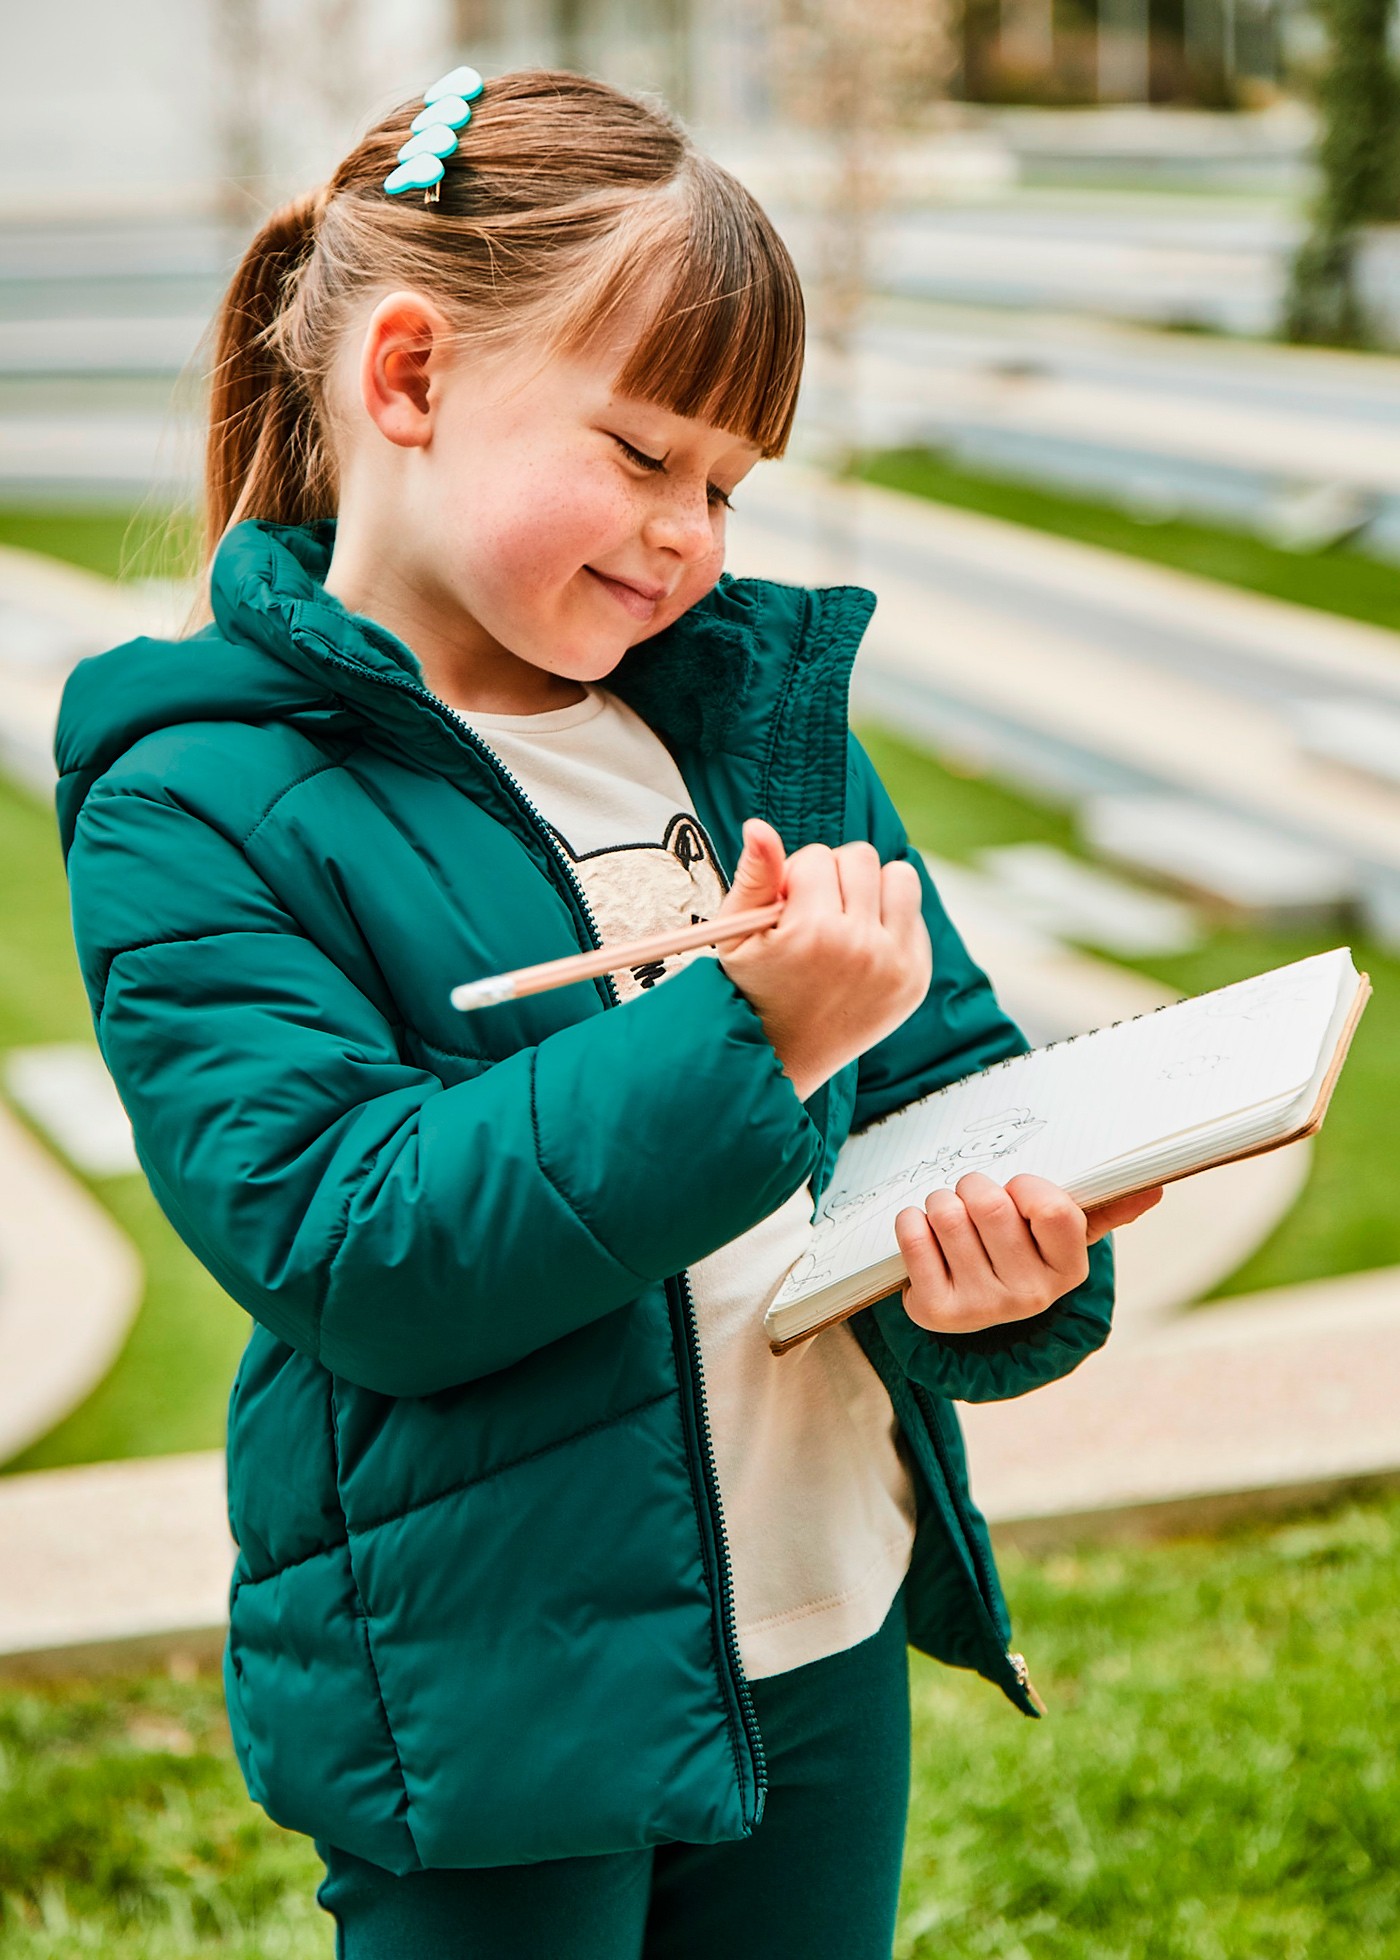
x=706, y=683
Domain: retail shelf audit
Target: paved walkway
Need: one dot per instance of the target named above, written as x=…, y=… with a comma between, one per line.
x=1057, y=386
x=51, y=616
x=1248, y=1405
x=108, y=1561
x=70, y=1285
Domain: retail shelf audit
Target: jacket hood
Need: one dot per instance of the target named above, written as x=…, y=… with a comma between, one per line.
x=281, y=648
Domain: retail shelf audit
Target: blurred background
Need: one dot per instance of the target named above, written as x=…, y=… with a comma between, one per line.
x=1103, y=401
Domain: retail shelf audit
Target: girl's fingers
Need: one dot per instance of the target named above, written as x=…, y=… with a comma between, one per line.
x=858, y=871
x=812, y=883
x=1057, y=1224
x=1011, y=1249
x=960, y=1243
x=758, y=876
x=901, y=895
x=1121, y=1211
x=928, y=1272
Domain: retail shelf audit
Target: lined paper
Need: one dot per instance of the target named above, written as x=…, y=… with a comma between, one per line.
x=1214, y=1063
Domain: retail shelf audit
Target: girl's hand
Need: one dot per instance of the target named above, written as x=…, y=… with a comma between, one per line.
x=849, y=959
x=985, y=1253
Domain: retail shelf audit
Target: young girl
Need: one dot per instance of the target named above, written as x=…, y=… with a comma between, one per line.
x=568, y=1619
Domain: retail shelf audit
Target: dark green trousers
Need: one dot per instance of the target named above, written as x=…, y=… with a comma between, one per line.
x=818, y=1879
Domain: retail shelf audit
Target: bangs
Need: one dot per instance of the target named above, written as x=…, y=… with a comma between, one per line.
x=723, y=325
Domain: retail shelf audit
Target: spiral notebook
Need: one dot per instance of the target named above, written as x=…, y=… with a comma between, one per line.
x=1189, y=1085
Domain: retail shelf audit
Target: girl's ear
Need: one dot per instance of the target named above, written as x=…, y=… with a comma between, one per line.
x=405, y=346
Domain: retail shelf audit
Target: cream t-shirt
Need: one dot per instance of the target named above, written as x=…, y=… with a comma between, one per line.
x=817, y=1497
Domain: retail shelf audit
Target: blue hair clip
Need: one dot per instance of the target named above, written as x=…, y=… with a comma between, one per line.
x=433, y=134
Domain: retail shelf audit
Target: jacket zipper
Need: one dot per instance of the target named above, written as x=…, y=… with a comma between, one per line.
x=738, y=1681
x=722, y=1561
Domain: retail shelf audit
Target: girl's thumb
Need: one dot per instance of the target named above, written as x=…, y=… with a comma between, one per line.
x=758, y=874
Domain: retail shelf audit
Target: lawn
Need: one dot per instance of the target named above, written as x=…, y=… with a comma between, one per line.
x=170, y=1385
x=148, y=543
x=1214, y=1780
x=1340, y=580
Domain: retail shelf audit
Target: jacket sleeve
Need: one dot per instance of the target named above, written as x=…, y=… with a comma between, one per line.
x=408, y=1234
x=960, y=1027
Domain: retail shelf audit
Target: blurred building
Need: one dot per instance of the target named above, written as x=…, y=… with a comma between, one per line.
x=176, y=106
x=1209, y=54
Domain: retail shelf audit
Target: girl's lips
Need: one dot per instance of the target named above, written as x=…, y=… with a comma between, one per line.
x=637, y=603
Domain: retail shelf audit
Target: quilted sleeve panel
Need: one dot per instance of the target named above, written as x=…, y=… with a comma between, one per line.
x=409, y=1234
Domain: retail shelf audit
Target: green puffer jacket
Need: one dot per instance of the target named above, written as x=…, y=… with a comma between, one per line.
x=481, y=1612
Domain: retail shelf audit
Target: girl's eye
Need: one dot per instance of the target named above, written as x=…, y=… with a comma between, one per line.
x=639, y=456
x=654, y=463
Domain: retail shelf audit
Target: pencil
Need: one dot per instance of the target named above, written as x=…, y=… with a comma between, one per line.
x=611, y=959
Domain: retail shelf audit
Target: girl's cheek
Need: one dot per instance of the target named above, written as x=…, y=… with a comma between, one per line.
x=559, y=528
x=701, y=576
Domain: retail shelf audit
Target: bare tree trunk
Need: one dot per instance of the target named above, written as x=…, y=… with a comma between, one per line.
x=851, y=73
x=570, y=25
x=674, y=20
x=474, y=22
x=237, y=39
x=1123, y=51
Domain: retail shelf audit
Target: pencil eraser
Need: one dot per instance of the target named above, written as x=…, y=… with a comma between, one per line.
x=482, y=993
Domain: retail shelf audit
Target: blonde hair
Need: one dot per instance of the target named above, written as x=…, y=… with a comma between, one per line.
x=566, y=205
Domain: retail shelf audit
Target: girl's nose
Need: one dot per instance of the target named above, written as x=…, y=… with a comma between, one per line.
x=681, y=523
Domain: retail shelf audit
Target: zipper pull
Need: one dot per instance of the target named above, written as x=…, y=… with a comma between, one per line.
x=1024, y=1681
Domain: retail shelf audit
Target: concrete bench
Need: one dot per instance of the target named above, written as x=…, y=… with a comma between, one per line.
x=1064, y=895
x=1240, y=865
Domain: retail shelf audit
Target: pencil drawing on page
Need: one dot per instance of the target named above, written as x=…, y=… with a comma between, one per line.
x=842, y=1220
x=1188, y=1066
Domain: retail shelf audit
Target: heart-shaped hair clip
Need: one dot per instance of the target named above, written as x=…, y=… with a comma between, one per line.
x=432, y=135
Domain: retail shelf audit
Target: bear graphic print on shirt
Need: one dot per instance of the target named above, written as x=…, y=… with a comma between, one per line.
x=647, y=887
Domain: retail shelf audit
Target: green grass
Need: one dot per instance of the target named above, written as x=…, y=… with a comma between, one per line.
x=126, y=1831
x=147, y=543
x=1211, y=1784
x=1340, y=581
x=1214, y=1780
x=169, y=1387
x=1347, y=1219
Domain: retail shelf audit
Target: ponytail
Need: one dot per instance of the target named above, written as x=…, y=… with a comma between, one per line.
x=264, y=456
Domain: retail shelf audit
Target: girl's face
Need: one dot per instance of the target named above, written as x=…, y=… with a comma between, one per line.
x=506, y=516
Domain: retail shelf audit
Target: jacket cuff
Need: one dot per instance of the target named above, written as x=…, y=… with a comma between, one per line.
x=669, y=1124
x=998, y=1363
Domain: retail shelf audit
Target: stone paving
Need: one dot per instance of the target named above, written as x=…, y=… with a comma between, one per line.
x=70, y=1285
x=1251, y=1404
x=64, y=1089
x=109, y=1561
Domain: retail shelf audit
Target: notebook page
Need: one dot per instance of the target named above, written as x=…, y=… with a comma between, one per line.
x=1065, y=1109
